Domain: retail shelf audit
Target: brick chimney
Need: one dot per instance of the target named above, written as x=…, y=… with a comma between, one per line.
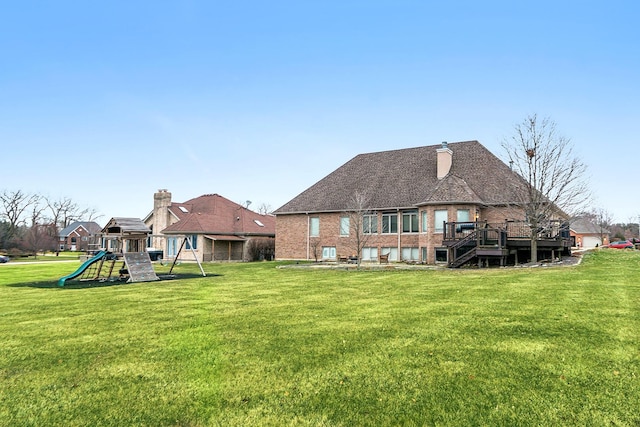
x=445, y=159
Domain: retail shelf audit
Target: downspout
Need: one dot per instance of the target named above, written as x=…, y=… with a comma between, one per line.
x=308, y=234
x=399, y=228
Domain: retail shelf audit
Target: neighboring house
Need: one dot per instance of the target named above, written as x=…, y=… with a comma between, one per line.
x=586, y=235
x=411, y=194
x=216, y=229
x=78, y=236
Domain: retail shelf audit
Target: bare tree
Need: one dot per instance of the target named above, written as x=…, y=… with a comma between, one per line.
x=63, y=211
x=555, y=178
x=90, y=214
x=359, y=226
x=603, y=219
x=264, y=209
x=36, y=214
x=314, y=244
x=14, y=206
x=38, y=238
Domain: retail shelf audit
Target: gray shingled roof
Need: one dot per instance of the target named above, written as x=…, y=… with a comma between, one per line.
x=585, y=226
x=408, y=177
x=91, y=226
x=126, y=226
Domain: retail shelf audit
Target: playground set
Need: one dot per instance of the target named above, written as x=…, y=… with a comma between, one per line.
x=122, y=255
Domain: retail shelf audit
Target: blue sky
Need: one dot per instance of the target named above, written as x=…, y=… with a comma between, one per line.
x=106, y=102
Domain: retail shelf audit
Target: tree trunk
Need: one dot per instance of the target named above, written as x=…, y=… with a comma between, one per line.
x=534, y=244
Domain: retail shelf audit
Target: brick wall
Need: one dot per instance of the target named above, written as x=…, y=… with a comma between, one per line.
x=293, y=241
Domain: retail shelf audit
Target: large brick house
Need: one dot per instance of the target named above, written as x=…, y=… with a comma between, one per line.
x=410, y=195
x=216, y=229
x=78, y=236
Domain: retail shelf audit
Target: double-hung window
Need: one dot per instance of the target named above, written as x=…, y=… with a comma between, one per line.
x=410, y=222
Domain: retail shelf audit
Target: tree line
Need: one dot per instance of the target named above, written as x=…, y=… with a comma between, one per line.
x=31, y=222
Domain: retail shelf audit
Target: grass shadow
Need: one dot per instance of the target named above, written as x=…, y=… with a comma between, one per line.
x=71, y=285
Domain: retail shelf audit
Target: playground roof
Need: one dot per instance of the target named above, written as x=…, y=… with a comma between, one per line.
x=120, y=226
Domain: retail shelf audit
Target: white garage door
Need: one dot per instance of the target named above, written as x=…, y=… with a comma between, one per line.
x=591, y=242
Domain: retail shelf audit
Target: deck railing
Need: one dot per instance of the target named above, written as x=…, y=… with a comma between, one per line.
x=552, y=229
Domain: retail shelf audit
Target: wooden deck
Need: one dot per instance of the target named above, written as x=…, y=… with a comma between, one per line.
x=501, y=244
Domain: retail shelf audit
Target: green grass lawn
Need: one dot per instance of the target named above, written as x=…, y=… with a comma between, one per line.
x=252, y=344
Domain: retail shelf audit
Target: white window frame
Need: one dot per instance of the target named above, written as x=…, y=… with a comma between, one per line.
x=328, y=252
x=391, y=251
x=413, y=220
x=314, y=226
x=425, y=218
x=438, y=252
x=345, y=223
x=172, y=247
x=367, y=221
x=438, y=220
x=410, y=253
x=390, y=217
x=369, y=254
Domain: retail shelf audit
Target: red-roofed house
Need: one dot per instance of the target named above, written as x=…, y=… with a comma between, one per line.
x=217, y=228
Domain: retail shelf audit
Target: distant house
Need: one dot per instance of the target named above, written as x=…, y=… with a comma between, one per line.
x=423, y=204
x=78, y=235
x=215, y=228
x=586, y=235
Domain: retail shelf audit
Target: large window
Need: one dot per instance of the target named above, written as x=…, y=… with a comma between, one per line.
x=409, y=254
x=410, y=222
x=392, y=252
x=344, y=226
x=314, y=227
x=390, y=223
x=369, y=254
x=439, y=217
x=370, y=224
